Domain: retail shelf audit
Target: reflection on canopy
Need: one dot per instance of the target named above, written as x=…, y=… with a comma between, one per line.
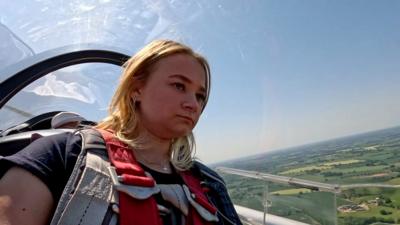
x=284, y=73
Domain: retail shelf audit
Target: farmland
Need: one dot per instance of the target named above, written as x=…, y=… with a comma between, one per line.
x=372, y=157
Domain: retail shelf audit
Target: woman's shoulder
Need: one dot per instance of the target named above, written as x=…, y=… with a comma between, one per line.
x=207, y=172
x=47, y=145
x=61, y=138
x=50, y=158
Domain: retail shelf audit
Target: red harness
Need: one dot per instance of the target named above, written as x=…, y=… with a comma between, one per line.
x=145, y=212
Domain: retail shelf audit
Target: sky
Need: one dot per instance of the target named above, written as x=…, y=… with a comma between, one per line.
x=284, y=73
x=304, y=71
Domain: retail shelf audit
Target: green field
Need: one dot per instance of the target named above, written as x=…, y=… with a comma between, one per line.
x=343, y=162
x=296, y=206
x=395, y=181
x=291, y=191
x=304, y=169
x=367, y=158
x=373, y=212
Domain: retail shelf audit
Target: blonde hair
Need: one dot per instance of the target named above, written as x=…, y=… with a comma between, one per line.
x=123, y=119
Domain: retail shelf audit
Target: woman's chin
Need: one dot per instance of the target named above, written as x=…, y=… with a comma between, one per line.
x=181, y=133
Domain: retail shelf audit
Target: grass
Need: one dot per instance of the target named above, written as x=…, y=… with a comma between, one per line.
x=312, y=177
x=331, y=168
x=377, y=156
x=395, y=197
x=291, y=191
x=361, y=169
x=305, y=169
x=304, y=205
x=374, y=211
x=343, y=162
x=395, y=181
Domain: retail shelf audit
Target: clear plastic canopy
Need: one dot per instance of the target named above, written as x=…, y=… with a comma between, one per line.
x=284, y=73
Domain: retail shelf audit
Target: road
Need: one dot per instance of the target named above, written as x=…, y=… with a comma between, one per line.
x=317, y=186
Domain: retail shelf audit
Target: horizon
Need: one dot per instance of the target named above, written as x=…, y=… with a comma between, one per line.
x=294, y=148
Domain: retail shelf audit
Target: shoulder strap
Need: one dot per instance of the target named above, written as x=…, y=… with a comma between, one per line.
x=195, y=194
x=130, y=176
x=86, y=197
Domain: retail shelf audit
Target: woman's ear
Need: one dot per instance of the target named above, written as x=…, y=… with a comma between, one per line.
x=135, y=95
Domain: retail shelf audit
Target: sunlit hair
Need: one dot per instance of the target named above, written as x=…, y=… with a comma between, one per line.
x=123, y=118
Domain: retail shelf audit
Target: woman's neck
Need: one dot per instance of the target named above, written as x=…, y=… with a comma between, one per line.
x=154, y=145
x=154, y=152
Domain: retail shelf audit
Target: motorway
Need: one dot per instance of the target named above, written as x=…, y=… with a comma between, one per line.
x=312, y=185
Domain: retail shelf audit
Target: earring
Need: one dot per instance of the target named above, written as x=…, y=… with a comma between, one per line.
x=134, y=102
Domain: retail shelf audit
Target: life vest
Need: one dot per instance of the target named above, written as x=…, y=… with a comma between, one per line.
x=116, y=183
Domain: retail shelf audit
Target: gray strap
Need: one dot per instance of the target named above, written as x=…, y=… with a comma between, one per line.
x=90, y=202
x=208, y=216
x=70, y=186
x=114, y=219
x=174, y=194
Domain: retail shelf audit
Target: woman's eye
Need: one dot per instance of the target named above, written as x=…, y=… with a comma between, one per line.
x=179, y=86
x=201, y=98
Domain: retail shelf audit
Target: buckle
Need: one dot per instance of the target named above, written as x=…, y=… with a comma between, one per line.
x=138, y=191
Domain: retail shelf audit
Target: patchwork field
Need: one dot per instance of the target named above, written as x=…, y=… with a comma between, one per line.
x=368, y=158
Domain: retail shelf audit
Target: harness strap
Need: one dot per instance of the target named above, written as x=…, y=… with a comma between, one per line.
x=195, y=194
x=175, y=194
x=89, y=201
x=137, y=189
x=129, y=172
x=88, y=197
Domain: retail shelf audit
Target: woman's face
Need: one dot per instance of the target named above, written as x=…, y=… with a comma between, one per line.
x=173, y=96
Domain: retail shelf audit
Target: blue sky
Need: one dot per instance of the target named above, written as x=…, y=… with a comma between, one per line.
x=303, y=71
x=284, y=72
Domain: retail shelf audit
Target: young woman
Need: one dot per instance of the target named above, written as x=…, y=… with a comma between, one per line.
x=160, y=97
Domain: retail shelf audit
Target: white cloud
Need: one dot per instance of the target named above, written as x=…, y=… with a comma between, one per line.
x=59, y=88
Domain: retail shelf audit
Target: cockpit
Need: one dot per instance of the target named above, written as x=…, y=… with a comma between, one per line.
x=303, y=120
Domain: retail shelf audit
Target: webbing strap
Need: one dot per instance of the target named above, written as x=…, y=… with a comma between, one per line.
x=122, y=157
x=126, y=166
x=195, y=194
x=86, y=194
x=90, y=201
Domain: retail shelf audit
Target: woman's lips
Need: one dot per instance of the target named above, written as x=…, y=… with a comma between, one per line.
x=187, y=118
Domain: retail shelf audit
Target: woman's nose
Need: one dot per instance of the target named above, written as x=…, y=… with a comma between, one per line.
x=191, y=104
